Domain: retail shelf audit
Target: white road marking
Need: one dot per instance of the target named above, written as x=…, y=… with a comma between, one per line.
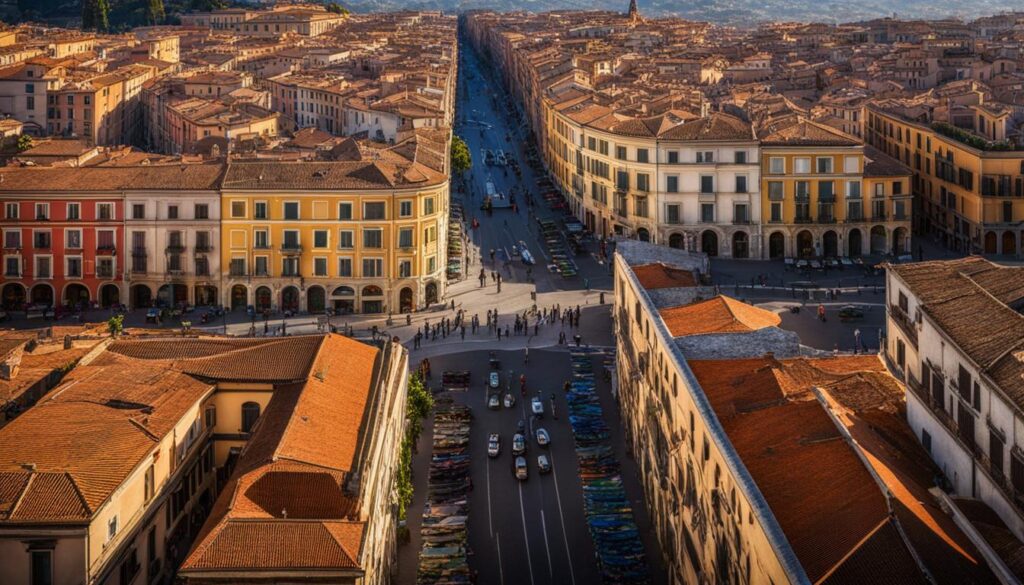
x=544, y=526
x=501, y=568
x=526, y=538
x=490, y=523
x=558, y=499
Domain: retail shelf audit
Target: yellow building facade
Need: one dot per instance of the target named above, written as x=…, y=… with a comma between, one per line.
x=823, y=195
x=969, y=199
x=345, y=248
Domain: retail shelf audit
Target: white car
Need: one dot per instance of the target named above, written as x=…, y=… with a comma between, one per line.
x=543, y=464
x=493, y=445
x=510, y=400
x=521, y=473
x=537, y=406
x=493, y=402
x=543, y=439
x=518, y=444
x=493, y=381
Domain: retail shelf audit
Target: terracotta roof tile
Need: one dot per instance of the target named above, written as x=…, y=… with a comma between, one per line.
x=807, y=133
x=827, y=503
x=279, y=544
x=658, y=275
x=718, y=315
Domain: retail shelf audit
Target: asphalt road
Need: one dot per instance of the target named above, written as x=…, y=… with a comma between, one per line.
x=530, y=532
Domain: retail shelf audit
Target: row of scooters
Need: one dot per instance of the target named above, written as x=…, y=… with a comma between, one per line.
x=620, y=553
x=443, y=558
x=555, y=242
x=455, y=252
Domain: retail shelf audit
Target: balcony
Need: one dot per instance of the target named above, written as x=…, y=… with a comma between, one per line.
x=139, y=268
x=291, y=248
x=878, y=217
x=803, y=219
x=106, y=249
x=858, y=218
x=741, y=221
x=203, y=248
x=903, y=321
x=175, y=249
x=826, y=219
x=237, y=272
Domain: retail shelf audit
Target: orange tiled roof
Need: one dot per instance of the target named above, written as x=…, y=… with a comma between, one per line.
x=286, y=507
x=87, y=435
x=826, y=502
x=718, y=315
x=658, y=275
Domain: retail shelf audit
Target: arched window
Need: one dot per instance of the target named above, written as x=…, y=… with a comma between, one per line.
x=250, y=412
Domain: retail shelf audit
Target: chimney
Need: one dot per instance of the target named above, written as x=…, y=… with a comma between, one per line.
x=11, y=362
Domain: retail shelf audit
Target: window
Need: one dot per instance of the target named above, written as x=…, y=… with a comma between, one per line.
x=879, y=189
x=259, y=209
x=375, y=210
x=776, y=165
x=672, y=184
x=707, y=212
x=673, y=157
x=111, y=528
x=202, y=211
x=12, y=239
x=104, y=211
x=43, y=267
x=291, y=210
x=42, y=211
x=643, y=182
x=428, y=206
x=238, y=208
x=622, y=180
x=641, y=155
x=373, y=238
x=707, y=184
x=139, y=211
x=776, y=212
x=851, y=164
x=261, y=239
x=74, y=211
x=250, y=413
x=826, y=191
x=12, y=266
x=71, y=100
x=404, y=268
x=706, y=156
x=346, y=239
x=801, y=165
x=319, y=266
x=73, y=240
x=740, y=157
x=405, y=209
x=150, y=487
x=740, y=213
x=853, y=189
x=172, y=212
x=672, y=213
x=320, y=238
x=373, y=267
x=344, y=211
x=825, y=165
x=431, y=264
x=42, y=567
x=405, y=238
x=41, y=240
x=620, y=152
x=291, y=240
x=11, y=211
x=262, y=266
x=741, y=183
x=344, y=267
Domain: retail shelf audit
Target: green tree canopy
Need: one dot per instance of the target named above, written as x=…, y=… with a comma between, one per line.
x=461, y=158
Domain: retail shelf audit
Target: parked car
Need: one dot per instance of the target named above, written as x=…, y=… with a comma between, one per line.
x=152, y=315
x=493, y=380
x=537, y=406
x=521, y=473
x=543, y=464
x=510, y=400
x=518, y=444
x=543, y=438
x=851, y=313
x=493, y=445
x=493, y=402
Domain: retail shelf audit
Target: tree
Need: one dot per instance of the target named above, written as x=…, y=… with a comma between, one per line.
x=461, y=158
x=208, y=5
x=24, y=142
x=115, y=325
x=155, y=12
x=96, y=15
x=337, y=8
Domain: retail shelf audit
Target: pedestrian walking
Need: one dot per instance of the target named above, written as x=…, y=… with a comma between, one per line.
x=499, y=286
x=578, y=339
x=856, y=340
x=499, y=333
x=561, y=338
x=506, y=329
x=586, y=284
x=462, y=330
x=821, y=312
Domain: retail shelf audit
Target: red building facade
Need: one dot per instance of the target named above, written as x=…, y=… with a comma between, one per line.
x=61, y=250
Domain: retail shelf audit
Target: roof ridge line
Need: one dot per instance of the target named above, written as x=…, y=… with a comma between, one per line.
x=21, y=496
x=78, y=492
x=291, y=419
